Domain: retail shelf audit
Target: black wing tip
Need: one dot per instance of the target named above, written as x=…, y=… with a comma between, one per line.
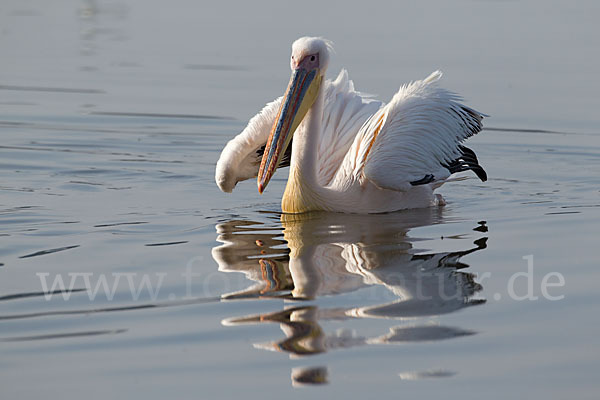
x=423, y=181
x=480, y=172
x=467, y=162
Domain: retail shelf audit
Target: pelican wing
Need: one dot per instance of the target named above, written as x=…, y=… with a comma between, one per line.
x=416, y=138
x=240, y=159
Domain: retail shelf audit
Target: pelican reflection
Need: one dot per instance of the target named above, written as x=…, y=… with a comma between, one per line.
x=309, y=256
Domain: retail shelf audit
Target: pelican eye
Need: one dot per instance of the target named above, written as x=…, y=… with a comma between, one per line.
x=312, y=58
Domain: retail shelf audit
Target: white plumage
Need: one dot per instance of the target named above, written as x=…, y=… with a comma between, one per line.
x=344, y=113
x=352, y=153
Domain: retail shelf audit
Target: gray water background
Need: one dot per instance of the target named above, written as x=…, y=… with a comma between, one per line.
x=112, y=116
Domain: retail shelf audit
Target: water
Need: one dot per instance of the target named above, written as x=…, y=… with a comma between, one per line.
x=112, y=117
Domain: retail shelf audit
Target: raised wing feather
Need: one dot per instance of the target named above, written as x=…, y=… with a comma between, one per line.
x=416, y=137
x=240, y=159
x=345, y=111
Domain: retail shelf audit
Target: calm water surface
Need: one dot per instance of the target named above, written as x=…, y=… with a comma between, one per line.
x=124, y=272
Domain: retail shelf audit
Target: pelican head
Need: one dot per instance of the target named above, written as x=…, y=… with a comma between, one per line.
x=309, y=61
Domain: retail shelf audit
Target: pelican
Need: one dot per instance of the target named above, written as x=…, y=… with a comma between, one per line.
x=348, y=152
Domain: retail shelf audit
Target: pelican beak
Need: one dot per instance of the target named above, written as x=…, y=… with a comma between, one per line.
x=299, y=97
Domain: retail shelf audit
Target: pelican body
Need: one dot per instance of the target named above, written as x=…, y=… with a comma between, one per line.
x=348, y=152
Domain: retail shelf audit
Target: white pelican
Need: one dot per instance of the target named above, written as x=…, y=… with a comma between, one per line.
x=351, y=153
